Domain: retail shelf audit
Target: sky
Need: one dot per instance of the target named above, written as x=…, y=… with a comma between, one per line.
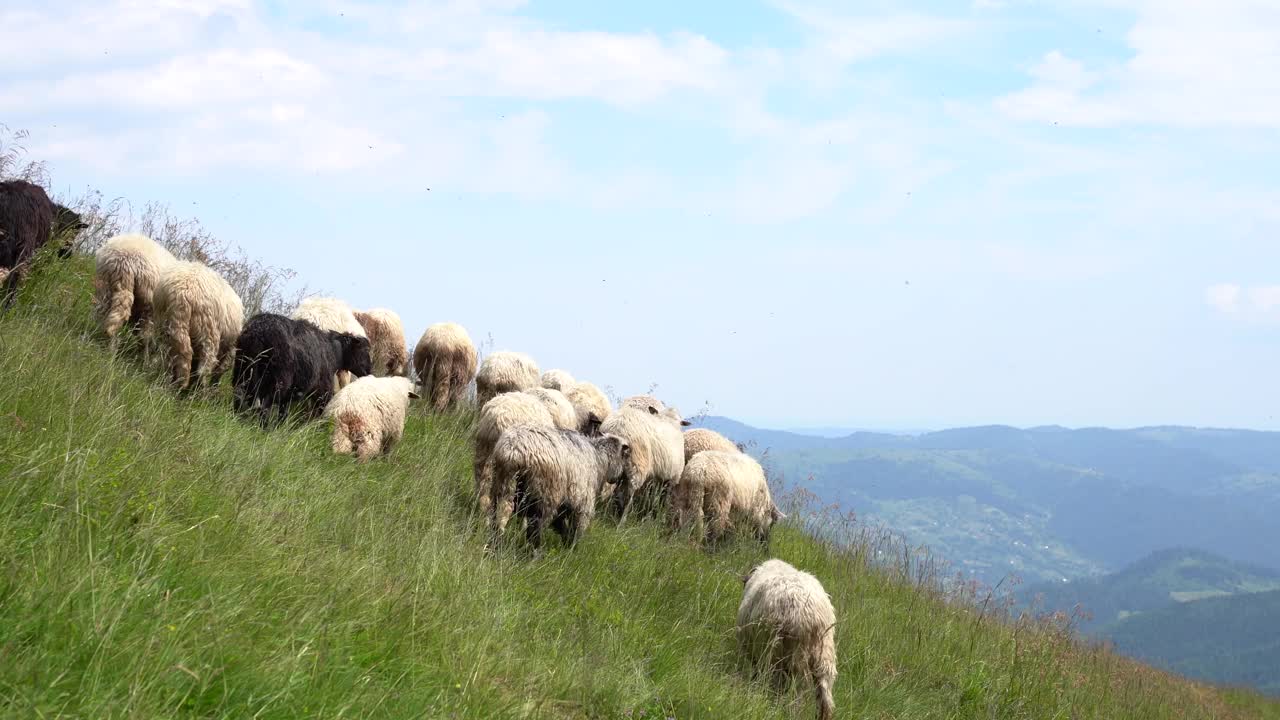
x=790, y=212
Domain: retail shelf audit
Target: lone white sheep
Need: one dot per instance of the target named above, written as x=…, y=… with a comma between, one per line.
x=562, y=412
x=127, y=269
x=720, y=487
x=557, y=380
x=445, y=361
x=553, y=477
x=699, y=439
x=368, y=415
x=657, y=454
x=786, y=630
x=386, y=341
x=591, y=405
x=331, y=314
x=199, y=316
x=504, y=372
x=502, y=413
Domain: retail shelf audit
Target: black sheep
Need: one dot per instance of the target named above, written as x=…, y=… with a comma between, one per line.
x=28, y=220
x=281, y=361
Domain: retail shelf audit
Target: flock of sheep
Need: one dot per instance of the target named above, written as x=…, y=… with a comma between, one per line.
x=546, y=445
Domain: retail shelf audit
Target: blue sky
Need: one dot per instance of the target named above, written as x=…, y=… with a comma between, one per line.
x=800, y=213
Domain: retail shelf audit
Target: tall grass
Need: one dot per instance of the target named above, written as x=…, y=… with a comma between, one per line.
x=161, y=558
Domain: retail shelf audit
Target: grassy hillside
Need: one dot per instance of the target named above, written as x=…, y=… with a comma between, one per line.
x=160, y=558
x=1233, y=639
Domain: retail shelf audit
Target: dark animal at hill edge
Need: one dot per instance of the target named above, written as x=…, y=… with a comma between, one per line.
x=28, y=220
x=281, y=361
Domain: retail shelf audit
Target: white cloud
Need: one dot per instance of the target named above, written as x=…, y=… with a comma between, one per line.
x=1265, y=299
x=1193, y=64
x=1259, y=301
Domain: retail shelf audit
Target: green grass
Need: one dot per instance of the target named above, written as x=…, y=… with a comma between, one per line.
x=161, y=558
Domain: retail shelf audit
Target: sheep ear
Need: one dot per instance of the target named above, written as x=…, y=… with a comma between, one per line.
x=653, y=410
x=685, y=423
x=777, y=514
x=414, y=396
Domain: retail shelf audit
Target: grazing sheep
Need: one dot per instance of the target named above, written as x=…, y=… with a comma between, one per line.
x=445, y=360
x=642, y=402
x=368, y=415
x=700, y=439
x=562, y=412
x=557, y=380
x=386, y=341
x=502, y=413
x=331, y=314
x=553, y=477
x=719, y=486
x=657, y=453
x=127, y=269
x=590, y=404
x=281, y=361
x=200, y=317
x=786, y=629
x=504, y=372
x=28, y=220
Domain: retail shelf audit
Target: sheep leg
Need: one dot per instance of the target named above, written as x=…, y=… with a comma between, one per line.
x=180, y=358
x=568, y=526
x=622, y=496
x=536, y=516
x=822, y=694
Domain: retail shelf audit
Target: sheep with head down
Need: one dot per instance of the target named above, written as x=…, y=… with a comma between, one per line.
x=29, y=220
x=502, y=413
x=368, y=415
x=657, y=454
x=386, y=341
x=199, y=316
x=281, y=363
x=700, y=439
x=562, y=412
x=127, y=269
x=503, y=372
x=590, y=404
x=786, y=630
x=724, y=490
x=551, y=477
x=445, y=361
x=557, y=380
x=332, y=314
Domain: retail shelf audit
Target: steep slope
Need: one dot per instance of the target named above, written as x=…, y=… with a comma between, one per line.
x=160, y=558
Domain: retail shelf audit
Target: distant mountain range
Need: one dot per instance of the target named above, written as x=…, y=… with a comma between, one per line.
x=1187, y=611
x=1044, y=503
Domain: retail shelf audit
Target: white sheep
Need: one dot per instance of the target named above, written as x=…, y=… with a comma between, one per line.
x=562, y=411
x=445, y=361
x=553, y=477
x=331, y=314
x=557, y=380
x=657, y=453
x=199, y=316
x=699, y=439
x=502, y=413
x=718, y=487
x=386, y=341
x=504, y=372
x=127, y=269
x=591, y=405
x=368, y=415
x=786, y=630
